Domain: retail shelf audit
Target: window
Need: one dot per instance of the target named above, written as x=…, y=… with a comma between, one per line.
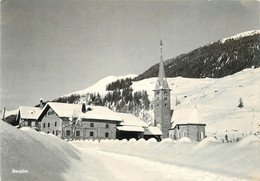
x=57, y=132
x=77, y=133
x=43, y=125
x=165, y=105
x=91, y=133
x=68, y=132
x=165, y=98
x=29, y=123
x=53, y=132
x=56, y=123
x=48, y=124
x=107, y=125
x=157, y=92
x=165, y=92
x=91, y=125
x=48, y=132
x=106, y=135
x=184, y=134
x=157, y=98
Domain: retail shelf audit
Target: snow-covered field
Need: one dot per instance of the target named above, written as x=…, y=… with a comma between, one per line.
x=46, y=157
x=216, y=99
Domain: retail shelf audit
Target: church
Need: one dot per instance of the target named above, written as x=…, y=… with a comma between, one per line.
x=165, y=118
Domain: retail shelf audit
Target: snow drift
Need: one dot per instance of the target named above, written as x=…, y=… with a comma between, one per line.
x=44, y=157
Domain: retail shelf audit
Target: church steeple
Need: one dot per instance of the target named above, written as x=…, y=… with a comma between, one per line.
x=162, y=101
x=161, y=67
x=161, y=82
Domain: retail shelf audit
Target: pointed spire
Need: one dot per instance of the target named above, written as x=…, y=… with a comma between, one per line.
x=161, y=67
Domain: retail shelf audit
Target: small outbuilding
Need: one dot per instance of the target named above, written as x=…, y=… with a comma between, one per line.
x=130, y=127
x=153, y=132
x=28, y=117
x=187, y=123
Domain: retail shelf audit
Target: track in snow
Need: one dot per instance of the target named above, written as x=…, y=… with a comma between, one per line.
x=99, y=165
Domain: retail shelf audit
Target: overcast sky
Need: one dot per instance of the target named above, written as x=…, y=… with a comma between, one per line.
x=53, y=47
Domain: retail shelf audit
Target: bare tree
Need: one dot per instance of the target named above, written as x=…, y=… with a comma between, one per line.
x=75, y=121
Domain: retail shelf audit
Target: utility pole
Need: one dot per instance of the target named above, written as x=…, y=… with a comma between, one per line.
x=4, y=115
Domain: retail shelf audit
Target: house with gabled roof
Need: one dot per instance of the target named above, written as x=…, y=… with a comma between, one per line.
x=28, y=117
x=187, y=123
x=96, y=122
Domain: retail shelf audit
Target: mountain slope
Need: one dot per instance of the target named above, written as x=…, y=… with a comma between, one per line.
x=218, y=59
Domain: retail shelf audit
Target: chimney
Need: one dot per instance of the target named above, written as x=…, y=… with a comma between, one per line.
x=41, y=103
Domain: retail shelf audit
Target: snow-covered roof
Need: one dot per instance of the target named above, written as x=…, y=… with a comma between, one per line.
x=27, y=112
x=151, y=130
x=96, y=112
x=131, y=120
x=186, y=116
x=130, y=128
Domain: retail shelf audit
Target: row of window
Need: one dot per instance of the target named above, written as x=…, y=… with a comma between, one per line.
x=165, y=98
x=164, y=104
x=91, y=125
x=53, y=132
x=55, y=124
x=165, y=92
x=91, y=133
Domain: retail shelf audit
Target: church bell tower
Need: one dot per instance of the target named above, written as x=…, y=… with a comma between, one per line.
x=162, y=101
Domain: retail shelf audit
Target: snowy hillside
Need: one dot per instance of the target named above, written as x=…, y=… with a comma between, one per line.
x=216, y=99
x=100, y=86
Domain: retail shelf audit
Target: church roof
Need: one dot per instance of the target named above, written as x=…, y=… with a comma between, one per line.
x=186, y=116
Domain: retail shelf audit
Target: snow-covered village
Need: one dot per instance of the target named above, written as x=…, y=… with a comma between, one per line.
x=110, y=90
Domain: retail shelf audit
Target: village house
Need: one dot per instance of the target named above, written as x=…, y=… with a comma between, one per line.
x=28, y=117
x=187, y=123
x=92, y=122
